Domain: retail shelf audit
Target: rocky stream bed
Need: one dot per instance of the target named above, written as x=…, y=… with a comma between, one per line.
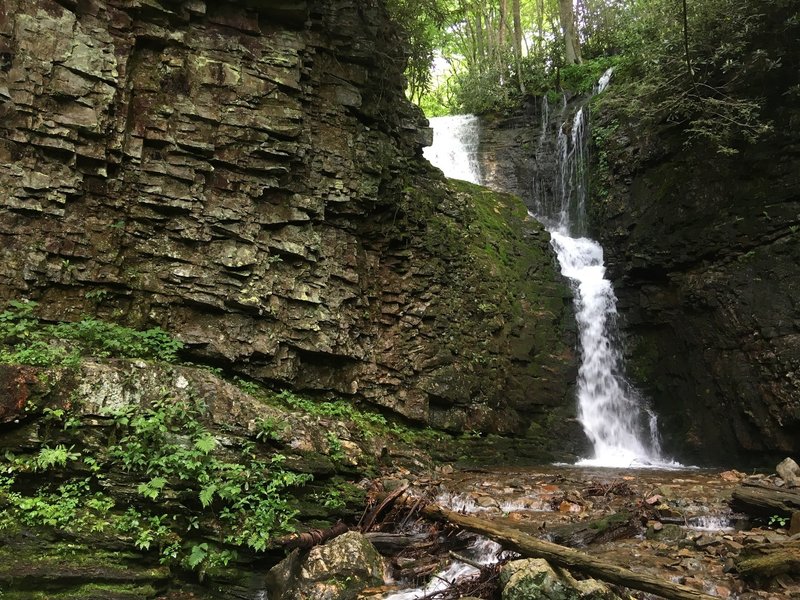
x=676, y=525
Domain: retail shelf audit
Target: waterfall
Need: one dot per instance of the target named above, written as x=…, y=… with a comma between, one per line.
x=622, y=429
x=616, y=419
x=455, y=147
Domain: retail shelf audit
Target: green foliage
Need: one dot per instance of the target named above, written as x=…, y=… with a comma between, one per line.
x=249, y=387
x=72, y=505
x=166, y=447
x=335, y=449
x=24, y=339
x=271, y=429
x=709, y=80
x=422, y=23
x=366, y=421
x=777, y=521
x=54, y=457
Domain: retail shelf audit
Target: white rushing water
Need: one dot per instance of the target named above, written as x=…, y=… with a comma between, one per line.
x=609, y=409
x=481, y=551
x=455, y=146
x=622, y=429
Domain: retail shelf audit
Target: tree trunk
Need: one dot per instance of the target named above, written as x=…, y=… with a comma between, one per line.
x=567, y=558
x=515, y=7
x=540, y=27
x=502, y=26
x=572, y=49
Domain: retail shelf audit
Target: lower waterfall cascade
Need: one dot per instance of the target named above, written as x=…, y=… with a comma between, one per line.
x=616, y=419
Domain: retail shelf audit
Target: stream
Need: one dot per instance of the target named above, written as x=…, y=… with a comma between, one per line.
x=615, y=417
x=689, y=532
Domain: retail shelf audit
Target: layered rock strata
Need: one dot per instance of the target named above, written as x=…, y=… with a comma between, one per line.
x=248, y=176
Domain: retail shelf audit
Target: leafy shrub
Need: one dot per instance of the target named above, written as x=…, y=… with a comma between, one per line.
x=25, y=339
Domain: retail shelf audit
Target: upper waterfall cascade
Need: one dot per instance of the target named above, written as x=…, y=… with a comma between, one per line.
x=455, y=146
x=617, y=421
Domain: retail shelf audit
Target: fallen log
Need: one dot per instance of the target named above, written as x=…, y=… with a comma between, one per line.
x=764, y=500
x=769, y=560
x=579, y=535
x=567, y=558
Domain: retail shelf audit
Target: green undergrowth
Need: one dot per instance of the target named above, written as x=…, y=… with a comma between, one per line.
x=238, y=496
x=26, y=339
x=368, y=423
x=154, y=476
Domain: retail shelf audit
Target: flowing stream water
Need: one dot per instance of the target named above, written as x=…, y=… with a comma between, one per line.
x=622, y=429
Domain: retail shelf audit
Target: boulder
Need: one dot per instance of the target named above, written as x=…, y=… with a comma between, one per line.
x=338, y=570
x=789, y=471
x=535, y=579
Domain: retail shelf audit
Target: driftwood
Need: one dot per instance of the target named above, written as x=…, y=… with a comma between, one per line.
x=314, y=537
x=769, y=560
x=577, y=535
x=567, y=558
x=764, y=500
x=392, y=543
x=368, y=518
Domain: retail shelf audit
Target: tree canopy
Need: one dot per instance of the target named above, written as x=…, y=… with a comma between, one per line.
x=687, y=61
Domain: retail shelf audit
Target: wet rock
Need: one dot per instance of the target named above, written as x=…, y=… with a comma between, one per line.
x=706, y=540
x=339, y=570
x=794, y=525
x=18, y=385
x=789, y=471
x=486, y=502
x=666, y=533
x=535, y=579
x=732, y=476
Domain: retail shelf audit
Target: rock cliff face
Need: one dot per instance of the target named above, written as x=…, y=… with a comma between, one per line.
x=248, y=175
x=705, y=248
x=705, y=251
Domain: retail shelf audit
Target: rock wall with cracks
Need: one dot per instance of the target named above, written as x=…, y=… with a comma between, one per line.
x=248, y=175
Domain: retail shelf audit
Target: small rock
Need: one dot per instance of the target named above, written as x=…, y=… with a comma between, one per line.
x=568, y=507
x=486, y=502
x=667, y=533
x=729, y=566
x=338, y=569
x=794, y=526
x=732, y=476
x=390, y=484
x=722, y=591
x=447, y=469
x=732, y=545
x=534, y=579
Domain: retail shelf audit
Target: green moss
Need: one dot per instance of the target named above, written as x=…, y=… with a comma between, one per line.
x=618, y=518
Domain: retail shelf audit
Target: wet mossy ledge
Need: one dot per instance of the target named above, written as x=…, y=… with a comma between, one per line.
x=127, y=472
x=499, y=310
